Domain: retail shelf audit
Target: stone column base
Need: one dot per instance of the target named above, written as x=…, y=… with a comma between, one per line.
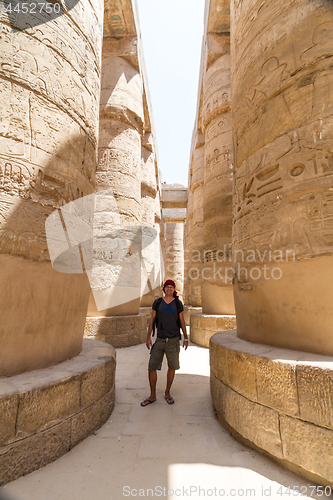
x=119, y=331
x=203, y=326
x=44, y=413
x=277, y=401
x=147, y=312
x=188, y=310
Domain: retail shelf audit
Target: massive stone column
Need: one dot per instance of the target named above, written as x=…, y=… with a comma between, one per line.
x=214, y=121
x=174, y=198
x=283, y=210
x=49, y=82
x=49, y=98
x=279, y=367
x=174, y=263
x=217, y=293
x=197, y=188
x=188, y=244
x=126, y=169
x=151, y=276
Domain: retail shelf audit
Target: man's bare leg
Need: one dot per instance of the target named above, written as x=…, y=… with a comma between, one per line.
x=170, y=377
x=152, y=377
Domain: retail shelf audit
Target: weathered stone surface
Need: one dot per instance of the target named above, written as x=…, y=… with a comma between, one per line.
x=34, y=452
x=119, y=331
x=241, y=373
x=315, y=393
x=282, y=236
x=92, y=385
x=294, y=398
x=174, y=264
x=188, y=246
x=217, y=391
x=188, y=311
x=91, y=418
x=308, y=446
x=44, y=407
x=58, y=407
x=255, y=422
x=218, y=361
x=8, y=412
x=50, y=98
x=276, y=385
x=203, y=326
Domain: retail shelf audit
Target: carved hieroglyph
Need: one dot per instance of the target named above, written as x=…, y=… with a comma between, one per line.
x=49, y=99
x=282, y=82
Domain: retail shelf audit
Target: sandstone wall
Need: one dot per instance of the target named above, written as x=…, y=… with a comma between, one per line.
x=282, y=126
x=49, y=94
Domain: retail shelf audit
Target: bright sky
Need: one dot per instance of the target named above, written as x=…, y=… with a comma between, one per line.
x=172, y=35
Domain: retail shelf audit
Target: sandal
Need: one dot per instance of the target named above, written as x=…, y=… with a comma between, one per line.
x=169, y=400
x=147, y=402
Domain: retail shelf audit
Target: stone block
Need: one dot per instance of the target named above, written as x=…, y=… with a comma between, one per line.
x=308, y=446
x=91, y=418
x=255, y=422
x=227, y=322
x=276, y=385
x=218, y=361
x=241, y=373
x=8, y=412
x=217, y=391
x=42, y=407
x=110, y=373
x=315, y=393
x=209, y=322
x=195, y=320
x=107, y=326
x=93, y=385
x=27, y=455
x=125, y=325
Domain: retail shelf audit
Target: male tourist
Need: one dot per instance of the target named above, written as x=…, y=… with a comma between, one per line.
x=169, y=314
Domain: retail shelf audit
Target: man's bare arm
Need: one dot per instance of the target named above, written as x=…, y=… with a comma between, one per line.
x=182, y=323
x=150, y=329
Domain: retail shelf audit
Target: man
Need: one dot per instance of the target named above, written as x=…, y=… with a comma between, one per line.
x=168, y=309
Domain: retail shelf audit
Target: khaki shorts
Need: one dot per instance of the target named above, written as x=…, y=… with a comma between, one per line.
x=170, y=347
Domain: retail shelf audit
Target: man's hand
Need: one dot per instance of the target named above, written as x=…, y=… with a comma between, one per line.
x=149, y=343
x=185, y=343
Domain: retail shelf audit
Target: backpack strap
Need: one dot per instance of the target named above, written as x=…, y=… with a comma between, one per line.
x=178, y=313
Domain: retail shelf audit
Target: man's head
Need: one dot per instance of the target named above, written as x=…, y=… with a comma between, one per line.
x=169, y=288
